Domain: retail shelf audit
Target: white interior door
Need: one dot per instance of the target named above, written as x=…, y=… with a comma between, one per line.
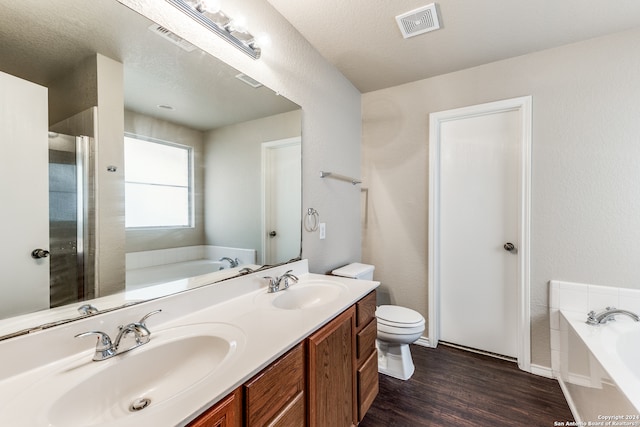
x=282, y=172
x=479, y=205
x=24, y=185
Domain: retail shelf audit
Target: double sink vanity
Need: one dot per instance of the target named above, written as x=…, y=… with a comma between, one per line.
x=231, y=352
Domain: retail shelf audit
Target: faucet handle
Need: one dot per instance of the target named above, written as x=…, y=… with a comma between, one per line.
x=140, y=329
x=104, y=346
x=146, y=316
x=273, y=283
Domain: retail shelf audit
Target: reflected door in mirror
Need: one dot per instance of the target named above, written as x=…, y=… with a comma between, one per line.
x=282, y=172
x=24, y=280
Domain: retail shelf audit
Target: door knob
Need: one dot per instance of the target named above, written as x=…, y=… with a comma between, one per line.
x=273, y=233
x=39, y=253
x=510, y=247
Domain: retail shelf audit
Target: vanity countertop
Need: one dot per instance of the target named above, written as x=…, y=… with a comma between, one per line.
x=264, y=333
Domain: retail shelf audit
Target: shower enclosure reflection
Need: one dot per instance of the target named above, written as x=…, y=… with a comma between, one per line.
x=70, y=184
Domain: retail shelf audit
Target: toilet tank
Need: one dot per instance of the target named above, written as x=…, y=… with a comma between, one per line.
x=355, y=271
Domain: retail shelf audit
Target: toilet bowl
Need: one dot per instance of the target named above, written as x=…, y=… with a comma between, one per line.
x=397, y=328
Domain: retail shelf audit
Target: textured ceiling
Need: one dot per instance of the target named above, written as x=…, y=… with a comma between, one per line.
x=41, y=41
x=361, y=37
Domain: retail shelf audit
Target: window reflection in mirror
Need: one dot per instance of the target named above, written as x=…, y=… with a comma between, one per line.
x=158, y=183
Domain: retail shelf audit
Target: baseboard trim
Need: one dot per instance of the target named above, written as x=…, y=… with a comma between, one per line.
x=424, y=342
x=542, y=371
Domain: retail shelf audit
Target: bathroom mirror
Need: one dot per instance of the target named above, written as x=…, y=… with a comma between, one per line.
x=173, y=93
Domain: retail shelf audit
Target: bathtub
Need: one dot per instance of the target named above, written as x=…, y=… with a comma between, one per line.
x=147, y=276
x=600, y=369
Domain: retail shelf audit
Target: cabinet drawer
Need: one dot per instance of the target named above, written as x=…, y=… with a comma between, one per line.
x=366, y=341
x=293, y=415
x=366, y=309
x=367, y=384
x=272, y=389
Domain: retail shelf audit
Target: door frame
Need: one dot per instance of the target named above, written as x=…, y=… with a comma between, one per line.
x=296, y=140
x=523, y=105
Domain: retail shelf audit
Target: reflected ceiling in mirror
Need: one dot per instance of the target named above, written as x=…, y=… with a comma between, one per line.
x=169, y=86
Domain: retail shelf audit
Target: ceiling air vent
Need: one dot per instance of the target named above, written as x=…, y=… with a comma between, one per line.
x=248, y=80
x=418, y=21
x=168, y=35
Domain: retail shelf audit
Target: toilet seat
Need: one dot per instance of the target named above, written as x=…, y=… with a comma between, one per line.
x=392, y=330
x=394, y=316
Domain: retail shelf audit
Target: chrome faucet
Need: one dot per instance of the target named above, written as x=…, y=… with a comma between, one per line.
x=87, y=309
x=275, y=282
x=608, y=315
x=232, y=262
x=106, y=349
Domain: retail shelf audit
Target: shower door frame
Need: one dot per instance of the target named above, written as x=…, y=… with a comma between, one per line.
x=84, y=239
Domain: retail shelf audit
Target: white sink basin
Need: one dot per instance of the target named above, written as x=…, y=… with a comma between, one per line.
x=307, y=294
x=102, y=393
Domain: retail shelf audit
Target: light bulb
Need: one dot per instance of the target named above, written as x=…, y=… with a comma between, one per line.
x=212, y=6
x=263, y=40
x=239, y=23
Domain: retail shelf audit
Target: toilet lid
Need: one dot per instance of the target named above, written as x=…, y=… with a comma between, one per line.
x=395, y=315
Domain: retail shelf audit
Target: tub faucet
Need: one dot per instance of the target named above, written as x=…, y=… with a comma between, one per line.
x=106, y=349
x=232, y=262
x=608, y=315
x=275, y=282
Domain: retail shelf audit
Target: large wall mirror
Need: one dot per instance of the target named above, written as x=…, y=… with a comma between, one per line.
x=159, y=163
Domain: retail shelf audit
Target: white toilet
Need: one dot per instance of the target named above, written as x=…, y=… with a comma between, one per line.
x=397, y=328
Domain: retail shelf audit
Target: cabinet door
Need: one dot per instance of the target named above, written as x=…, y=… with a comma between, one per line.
x=226, y=413
x=332, y=374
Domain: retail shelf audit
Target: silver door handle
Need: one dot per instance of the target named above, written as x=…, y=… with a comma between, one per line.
x=510, y=247
x=39, y=253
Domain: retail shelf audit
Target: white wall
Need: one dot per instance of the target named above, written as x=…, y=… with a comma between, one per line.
x=331, y=125
x=110, y=251
x=233, y=178
x=586, y=174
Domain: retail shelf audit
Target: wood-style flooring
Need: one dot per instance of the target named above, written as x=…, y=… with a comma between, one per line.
x=453, y=387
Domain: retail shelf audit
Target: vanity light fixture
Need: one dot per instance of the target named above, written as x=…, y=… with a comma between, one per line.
x=208, y=14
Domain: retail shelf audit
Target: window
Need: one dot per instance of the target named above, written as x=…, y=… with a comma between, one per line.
x=157, y=183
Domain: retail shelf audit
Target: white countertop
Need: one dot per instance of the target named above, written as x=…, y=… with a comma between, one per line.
x=267, y=333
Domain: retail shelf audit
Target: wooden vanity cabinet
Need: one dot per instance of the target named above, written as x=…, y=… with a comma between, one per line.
x=276, y=396
x=343, y=366
x=226, y=413
x=366, y=354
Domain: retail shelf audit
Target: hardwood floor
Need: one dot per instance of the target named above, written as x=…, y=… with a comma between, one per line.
x=453, y=387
